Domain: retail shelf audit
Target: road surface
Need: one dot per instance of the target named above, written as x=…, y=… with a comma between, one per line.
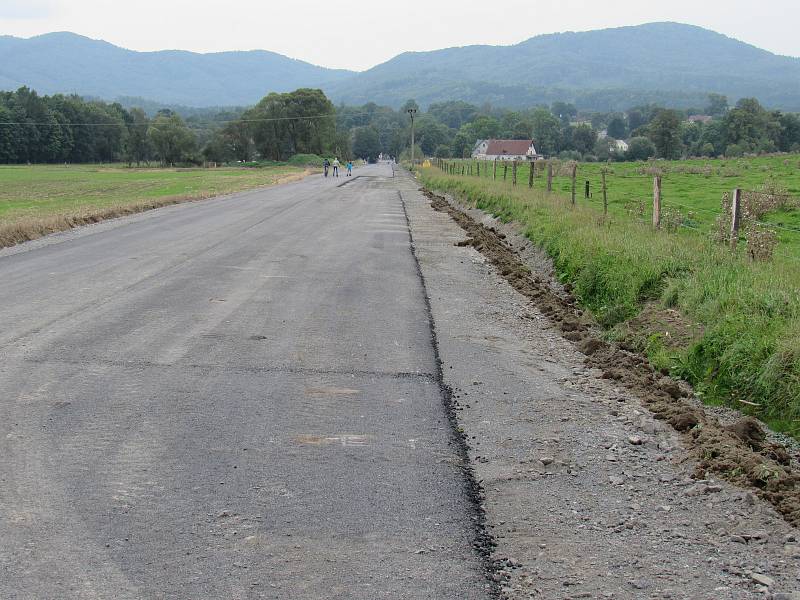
x=235, y=398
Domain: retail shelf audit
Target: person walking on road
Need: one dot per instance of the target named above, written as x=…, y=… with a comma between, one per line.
x=349, y=168
x=326, y=164
x=336, y=167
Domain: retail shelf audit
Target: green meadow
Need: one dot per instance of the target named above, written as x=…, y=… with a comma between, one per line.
x=43, y=191
x=691, y=189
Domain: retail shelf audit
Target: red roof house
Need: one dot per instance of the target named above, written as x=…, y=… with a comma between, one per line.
x=509, y=150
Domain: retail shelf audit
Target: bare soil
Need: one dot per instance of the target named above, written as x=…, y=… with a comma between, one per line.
x=739, y=453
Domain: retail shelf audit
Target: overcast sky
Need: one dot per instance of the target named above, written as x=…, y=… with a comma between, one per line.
x=358, y=35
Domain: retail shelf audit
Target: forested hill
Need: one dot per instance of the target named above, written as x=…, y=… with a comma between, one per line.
x=668, y=63
x=69, y=63
x=611, y=69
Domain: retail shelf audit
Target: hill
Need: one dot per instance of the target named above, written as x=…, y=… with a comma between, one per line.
x=69, y=63
x=608, y=69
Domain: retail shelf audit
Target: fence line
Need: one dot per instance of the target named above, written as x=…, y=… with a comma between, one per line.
x=569, y=171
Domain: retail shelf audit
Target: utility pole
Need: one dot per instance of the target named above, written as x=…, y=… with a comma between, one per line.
x=411, y=113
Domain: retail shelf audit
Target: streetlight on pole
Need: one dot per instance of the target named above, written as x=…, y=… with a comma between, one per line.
x=412, y=112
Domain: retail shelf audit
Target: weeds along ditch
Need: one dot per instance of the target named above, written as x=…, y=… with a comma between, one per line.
x=725, y=323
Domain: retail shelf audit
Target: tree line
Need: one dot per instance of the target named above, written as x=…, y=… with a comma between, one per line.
x=70, y=129
x=56, y=129
x=450, y=130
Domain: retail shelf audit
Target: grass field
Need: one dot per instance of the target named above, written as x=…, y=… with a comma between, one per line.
x=35, y=200
x=694, y=188
x=728, y=325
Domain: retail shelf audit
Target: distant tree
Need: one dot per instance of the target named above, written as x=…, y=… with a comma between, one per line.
x=665, y=133
x=751, y=128
x=442, y=151
x=717, y=105
x=409, y=104
x=172, y=140
x=546, y=132
x=9, y=139
x=343, y=145
x=521, y=130
x=454, y=114
x=366, y=143
x=431, y=134
x=617, y=128
x=584, y=139
x=789, y=140
x=564, y=111
x=482, y=128
x=712, y=139
x=604, y=149
x=299, y=122
x=636, y=119
x=138, y=148
x=237, y=140
x=640, y=148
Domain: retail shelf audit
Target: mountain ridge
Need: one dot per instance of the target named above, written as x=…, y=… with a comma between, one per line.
x=610, y=69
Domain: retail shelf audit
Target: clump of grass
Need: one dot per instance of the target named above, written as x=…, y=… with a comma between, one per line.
x=750, y=311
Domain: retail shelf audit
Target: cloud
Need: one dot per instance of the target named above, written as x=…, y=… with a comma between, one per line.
x=25, y=9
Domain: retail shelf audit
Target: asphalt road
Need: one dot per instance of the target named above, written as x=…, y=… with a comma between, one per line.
x=234, y=398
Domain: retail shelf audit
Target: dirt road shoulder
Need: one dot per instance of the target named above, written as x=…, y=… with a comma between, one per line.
x=587, y=495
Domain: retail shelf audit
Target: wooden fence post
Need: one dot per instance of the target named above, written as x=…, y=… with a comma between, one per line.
x=514, y=174
x=587, y=192
x=574, y=177
x=549, y=177
x=605, y=195
x=495, y=170
x=531, y=173
x=505, y=170
x=479, y=168
x=736, y=212
x=657, y=202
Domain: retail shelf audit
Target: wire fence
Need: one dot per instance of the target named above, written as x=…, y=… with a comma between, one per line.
x=649, y=195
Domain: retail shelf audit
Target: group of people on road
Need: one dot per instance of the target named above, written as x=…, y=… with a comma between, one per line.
x=326, y=165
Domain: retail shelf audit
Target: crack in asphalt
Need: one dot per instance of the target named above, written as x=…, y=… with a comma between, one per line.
x=144, y=364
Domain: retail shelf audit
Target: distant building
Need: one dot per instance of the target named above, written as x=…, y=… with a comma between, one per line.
x=621, y=145
x=480, y=148
x=700, y=119
x=505, y=150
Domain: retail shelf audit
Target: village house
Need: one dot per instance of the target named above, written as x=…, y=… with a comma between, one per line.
x=505, y=150
x=480, y=148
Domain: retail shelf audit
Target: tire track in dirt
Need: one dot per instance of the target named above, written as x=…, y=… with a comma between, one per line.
x=738, y=453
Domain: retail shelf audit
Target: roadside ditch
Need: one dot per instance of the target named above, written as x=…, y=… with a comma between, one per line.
x=740, y=452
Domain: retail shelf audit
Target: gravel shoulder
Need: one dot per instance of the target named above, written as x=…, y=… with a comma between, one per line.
x=586, y=493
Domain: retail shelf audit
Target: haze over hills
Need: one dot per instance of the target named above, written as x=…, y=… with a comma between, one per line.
x=69, y=63
x=662, y=62
x=607, y=69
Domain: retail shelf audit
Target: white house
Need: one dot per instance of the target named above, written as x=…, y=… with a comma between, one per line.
x=505, y=150
x=480, y=148
x=621, y=145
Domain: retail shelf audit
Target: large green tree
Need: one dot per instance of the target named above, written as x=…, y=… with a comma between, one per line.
x=366, y=143
x=665, y=133
x=172, y=140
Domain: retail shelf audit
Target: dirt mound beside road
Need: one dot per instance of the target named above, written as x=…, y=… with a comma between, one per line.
x=736, y=453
